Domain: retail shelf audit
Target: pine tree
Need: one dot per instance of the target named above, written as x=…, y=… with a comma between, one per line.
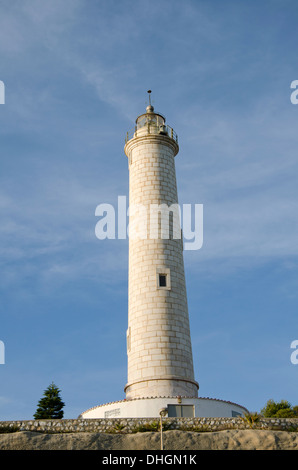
x=50, y=406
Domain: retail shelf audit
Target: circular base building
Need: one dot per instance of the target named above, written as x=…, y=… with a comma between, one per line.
x=174, y=406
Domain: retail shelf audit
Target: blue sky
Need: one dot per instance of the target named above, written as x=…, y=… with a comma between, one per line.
x=76, y=74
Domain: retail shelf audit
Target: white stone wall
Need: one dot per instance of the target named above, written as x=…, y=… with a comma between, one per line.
x=158, y=336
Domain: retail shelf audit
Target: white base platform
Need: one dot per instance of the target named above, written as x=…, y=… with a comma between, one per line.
x=151, y=406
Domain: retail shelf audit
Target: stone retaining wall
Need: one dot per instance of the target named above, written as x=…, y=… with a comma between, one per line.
x=129, y=425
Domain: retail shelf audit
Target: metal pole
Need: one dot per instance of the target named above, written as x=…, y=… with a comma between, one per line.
x=162, y=413
x=161, y=436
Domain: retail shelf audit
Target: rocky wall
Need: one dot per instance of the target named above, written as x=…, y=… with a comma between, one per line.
x=130, y=425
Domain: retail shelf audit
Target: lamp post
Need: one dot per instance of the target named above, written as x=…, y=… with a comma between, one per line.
x=162, y=412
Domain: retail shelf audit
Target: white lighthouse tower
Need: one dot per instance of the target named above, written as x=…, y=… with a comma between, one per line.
x=160, y=373
x=159, y=349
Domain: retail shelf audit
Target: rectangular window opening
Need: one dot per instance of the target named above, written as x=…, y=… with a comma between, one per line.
x=181, y=411
x=162, y=280
x=235, y=414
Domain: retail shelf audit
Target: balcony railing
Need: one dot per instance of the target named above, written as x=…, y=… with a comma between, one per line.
x=151, y=129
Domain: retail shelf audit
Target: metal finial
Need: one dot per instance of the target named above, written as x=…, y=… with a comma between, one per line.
x=149, y=108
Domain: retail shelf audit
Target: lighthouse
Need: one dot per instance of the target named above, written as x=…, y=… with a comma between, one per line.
x=159, y=351
x=160, y=370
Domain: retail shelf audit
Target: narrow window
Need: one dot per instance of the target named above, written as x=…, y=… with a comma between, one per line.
x=162, y=280
x=128, y=342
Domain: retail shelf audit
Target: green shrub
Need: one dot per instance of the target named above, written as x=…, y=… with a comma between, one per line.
x=251, y=418
x=147, y=427
x=7, y=429
x=202, y=428
x=282, y=409
x=116, y=428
